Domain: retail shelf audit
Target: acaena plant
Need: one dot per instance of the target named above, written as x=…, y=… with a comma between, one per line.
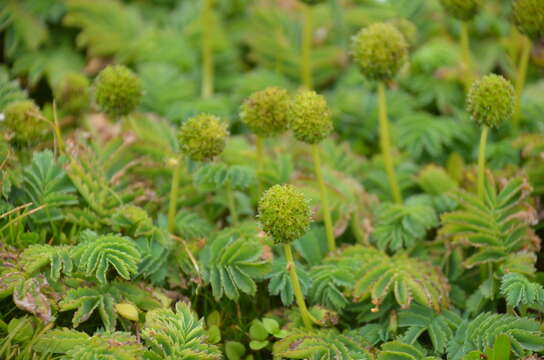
x=490, y=102
x=380, y=51
x=310, y=120
x=529, y=20
x=25, y=121
x=464, y=11
x=265, y=113
x=118, y=91
x=200, y=138
x=285, y=216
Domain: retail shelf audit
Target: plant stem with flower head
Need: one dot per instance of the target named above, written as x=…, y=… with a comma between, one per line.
x=207, y=49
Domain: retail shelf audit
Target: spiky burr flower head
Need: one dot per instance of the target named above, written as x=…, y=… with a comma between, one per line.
x=202, y=137
x=462, y=9
x=529, y=17
x=118, y=91
x=379, y=50
x=310, y=117
x=491, y=100
x=265, y=111
x=72, y=93
x=284, y=213
x=407, y=28
x=23, y=118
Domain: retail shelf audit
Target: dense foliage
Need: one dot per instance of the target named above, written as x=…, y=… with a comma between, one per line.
x=258, y=179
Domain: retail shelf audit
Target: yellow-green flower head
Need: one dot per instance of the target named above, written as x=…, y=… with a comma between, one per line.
x=491, y=100
x=312, y=2
x=73, y=94
x=310, y=117
x=265, y=112
x=462, y=9
x=284, y=213
x=202, y=137
x=118, y=90
x=23, y=119
x=379, y=50
x=529, y=17
x=407, y=28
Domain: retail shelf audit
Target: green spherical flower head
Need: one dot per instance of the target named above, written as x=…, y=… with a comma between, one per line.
x=310, y=117
x=284, y=213
x=23, y=119
x=462, y=9
x=379, y=50
x=407, y=28
x=265, y=112
x=529, y=17
x=202, y=137
x=491, y=100
x=312, y=2
x=72, y=94
x=118, y=90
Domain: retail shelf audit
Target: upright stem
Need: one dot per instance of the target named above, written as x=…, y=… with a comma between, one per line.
x=56, y=128
x=481, y=162
x=324, y=198
x=385, y=143
x=232, y=203
x=306, y=69
x=207, y=49
x=467, y=59
x=174, y=190
x=520, y=77
x=260, y=162
x=299, y=297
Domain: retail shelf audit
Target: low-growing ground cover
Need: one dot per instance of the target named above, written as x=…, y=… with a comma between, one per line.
x=266, y=179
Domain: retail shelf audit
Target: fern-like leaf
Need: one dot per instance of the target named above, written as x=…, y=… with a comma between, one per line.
x=232, y=264
x=213, y=176
x=327, y=283
x=439, y=326
x=10, y=90
x=59, y=258
x=280, y=282
x=46, y=184
x=97, y=254
x=408, y=279
x=497, y=225
x=88, y=300
x=321, y=345
x=190, y=225
x=396, y=350
x=518, y=290
x=177, y=335
x=400, y=226
x=75, y=345
x=480, y=334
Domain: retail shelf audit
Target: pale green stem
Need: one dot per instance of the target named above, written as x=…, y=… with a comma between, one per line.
x=324, y=198
x=174, y=191
x=260, y=162
x=481, y=162
x=466, y=56
x=385, y=143
x=521, y=77
x=56, y=128
x=207, y=49
x=232, y=203
x=306, y=68
x=299, y=297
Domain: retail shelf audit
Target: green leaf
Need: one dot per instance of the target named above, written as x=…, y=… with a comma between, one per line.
x=177, y=335
x=257, y=331
x=258, y=345
x=234, y=350
x=232, y=265
x=88, y=300
x=518, y=290
x=60, y=341
x=96, y=255
x=321, y=344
